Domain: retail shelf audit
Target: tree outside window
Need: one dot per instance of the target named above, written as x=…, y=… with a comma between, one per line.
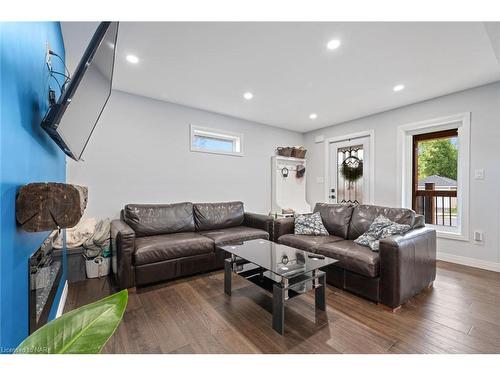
x=438, y=157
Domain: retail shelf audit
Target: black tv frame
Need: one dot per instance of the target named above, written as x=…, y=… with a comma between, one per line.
x=54, y=114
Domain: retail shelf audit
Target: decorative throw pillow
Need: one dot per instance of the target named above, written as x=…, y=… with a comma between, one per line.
x=381, y=227
x=310, y=225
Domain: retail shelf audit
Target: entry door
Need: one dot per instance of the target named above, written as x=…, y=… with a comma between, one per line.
x=349, y=175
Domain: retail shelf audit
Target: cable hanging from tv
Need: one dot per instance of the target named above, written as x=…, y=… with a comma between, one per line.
x=52, y=73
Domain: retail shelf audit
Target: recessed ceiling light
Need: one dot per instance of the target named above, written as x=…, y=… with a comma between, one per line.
x=398, y=88
x=313, y=116
x=248, y=95
x=333, y=44
x=132, y=59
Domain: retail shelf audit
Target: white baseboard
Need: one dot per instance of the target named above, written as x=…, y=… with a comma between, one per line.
x=62, y=301
x=471, y=262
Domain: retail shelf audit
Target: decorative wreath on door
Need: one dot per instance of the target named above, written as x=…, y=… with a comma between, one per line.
x=352, y=169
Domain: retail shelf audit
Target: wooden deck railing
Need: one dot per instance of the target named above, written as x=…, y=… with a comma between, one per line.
x=437, y=206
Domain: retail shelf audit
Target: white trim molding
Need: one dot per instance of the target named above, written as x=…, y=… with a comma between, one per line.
x=371, y=164
x=471, y=262
x=62, y=300
x=460, y=121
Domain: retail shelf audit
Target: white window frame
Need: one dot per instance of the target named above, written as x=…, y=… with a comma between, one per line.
x=236, y=138
x=461, y=122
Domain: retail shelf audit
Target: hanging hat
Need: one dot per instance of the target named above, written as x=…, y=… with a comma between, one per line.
x=301, y=170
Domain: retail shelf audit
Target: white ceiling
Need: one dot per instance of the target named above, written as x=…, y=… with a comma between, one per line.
x=289, y=69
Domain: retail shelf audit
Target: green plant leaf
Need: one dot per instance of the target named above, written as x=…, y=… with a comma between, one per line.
x=81, y=331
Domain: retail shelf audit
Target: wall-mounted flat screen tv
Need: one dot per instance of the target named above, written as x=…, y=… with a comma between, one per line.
x=71, y=121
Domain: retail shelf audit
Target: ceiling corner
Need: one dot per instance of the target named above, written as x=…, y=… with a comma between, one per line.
x=493, y=31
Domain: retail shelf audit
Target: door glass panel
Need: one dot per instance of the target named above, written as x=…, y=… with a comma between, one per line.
x=350, y=174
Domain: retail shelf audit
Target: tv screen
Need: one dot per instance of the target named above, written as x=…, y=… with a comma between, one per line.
x=71, y=121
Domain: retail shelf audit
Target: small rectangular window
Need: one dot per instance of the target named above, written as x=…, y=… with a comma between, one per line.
x=216, y=141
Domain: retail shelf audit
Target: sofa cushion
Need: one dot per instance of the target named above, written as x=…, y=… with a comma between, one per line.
x=352, y=257
x=227, y=236
x=210, y=216
x=153, y=249
x=419, y=221
x=306, y=242
x=381, y=227
x=154, y=219
x=310, y=224
x=364, y=215
x=336, y=217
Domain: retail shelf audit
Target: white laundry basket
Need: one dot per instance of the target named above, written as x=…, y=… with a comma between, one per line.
x=97, y=267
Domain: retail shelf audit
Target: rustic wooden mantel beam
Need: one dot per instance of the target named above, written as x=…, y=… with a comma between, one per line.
x=48, y=206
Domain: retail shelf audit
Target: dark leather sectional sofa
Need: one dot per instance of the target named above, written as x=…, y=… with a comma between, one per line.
x=153, y=243
x=403, y=266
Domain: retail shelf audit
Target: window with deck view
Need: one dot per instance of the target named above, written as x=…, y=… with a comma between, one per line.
x=435, y=166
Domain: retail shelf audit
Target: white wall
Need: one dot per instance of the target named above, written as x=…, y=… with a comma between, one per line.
x=140, y=153
x=484, y=104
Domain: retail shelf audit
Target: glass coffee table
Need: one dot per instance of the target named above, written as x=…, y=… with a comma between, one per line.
x=284, y=271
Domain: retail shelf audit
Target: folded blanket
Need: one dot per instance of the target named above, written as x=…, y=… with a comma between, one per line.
x=76, y=236
x=89, y=233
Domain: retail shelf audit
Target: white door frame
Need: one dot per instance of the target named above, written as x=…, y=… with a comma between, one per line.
x=371, y=162
x=404, y=159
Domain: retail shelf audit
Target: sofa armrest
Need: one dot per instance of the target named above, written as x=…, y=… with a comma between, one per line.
x=259, y=221
x=283, y=226
x=407, y=265
x=122, y=248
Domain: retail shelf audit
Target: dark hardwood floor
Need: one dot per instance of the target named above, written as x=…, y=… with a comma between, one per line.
x=461, y=314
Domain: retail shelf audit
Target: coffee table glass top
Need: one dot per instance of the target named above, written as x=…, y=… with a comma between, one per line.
x=280, y=259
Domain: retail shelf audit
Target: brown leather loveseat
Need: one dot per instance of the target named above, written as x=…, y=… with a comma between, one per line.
x=403, y=266
x=152, y=243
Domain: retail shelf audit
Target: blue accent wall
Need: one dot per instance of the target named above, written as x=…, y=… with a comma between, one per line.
x=27, y=155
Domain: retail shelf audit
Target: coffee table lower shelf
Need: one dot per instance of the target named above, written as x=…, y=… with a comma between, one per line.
x=282, y=288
